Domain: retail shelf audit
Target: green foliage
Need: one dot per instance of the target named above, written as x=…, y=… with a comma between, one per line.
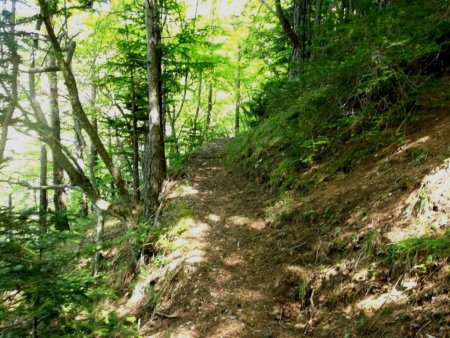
x=45, y=286
x=417, y=155
x=357, y=95
x=437, y=246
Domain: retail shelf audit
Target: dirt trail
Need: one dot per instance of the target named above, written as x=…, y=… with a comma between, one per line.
x=314, y=270
x=229, y=289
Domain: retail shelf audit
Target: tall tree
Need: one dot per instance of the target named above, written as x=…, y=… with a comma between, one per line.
x=156, y=166
x=59, y=196
x=238, y=93
x=10, y=41
x=298, y=31
x=75, y=102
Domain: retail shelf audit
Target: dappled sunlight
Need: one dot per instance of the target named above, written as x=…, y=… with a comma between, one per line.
x=249, y=295
x=296, y=265
x=213, y=218
x=221, y=277
x=238, y=220
x=234, y=260
x=374, y=303
x=409, y=145
x=227, y=327
x=181, y=332
x=256, y=224
x=182, y=191
x=196, y=256
x=198, y=230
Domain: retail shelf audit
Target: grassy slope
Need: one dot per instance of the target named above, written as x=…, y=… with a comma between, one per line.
x=350, y=102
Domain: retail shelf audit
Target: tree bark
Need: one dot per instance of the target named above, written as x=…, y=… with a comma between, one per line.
x=43, y=196
x=157, y=163
x=210, y=107
x=93, y=159
x=316, y=27
x=238, y=94
x=294, y=37
x=135, y=142
x=59, y=196
x=14, y=74
x=197, y=109
x=98, y=239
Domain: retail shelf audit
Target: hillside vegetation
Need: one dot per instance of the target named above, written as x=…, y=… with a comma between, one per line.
x=239, y=169
x=376, y=76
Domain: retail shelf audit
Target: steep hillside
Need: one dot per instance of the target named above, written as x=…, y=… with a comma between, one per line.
x=364, y=253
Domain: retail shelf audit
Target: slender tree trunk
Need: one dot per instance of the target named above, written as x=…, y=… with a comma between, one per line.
x=79, y=155
x=135, y=141
x=60, y=153
x=197, y=109
x=93, y=161
x=238, y=94
x=76, y=105
x=210, y=107
x=136, y=160
x=98, y=238
x=59, y=196
x=111, y=151
x=93, y=155
x=173, y=117
x=43, y=195
x=316, y=27
x=14, y=74
x=291, y=31
x=157, y=162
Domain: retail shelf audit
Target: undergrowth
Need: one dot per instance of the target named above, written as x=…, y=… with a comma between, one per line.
x=349, y=102
x=47, y=288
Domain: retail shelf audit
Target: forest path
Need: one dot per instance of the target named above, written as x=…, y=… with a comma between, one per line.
x=228, y=288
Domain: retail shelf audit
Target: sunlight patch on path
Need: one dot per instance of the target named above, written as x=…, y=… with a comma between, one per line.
x=213, y=218
x=234, y=260
x=375, y=302
x=256, y=224
x=183, y=191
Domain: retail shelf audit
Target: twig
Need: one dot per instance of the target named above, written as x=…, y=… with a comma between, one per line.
x=423, y=326
x=165, y=315
x=40, y=187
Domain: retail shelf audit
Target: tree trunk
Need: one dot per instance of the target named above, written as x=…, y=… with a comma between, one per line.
x=14, y=74
x=210, y=107
x=43, y=196
x=59, y=196
x=157, y=163
x=98, y=239
x=76, y=105
x=316, y=27
x=291, y=32
x=238, y=94
x=197, y=109
x=93, y=155
x=135, y=142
